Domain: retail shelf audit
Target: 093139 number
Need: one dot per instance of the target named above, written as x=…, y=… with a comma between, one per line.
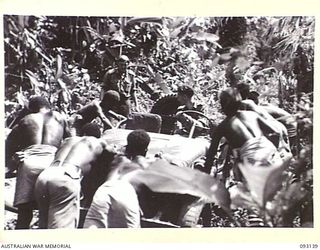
x=309, y=246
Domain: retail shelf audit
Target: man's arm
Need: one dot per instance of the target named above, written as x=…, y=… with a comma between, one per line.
x=13, y=142
x=106, y=122
x=282, y=116
x=13, y=145
x=66, y=128
x=250, y=105
x=116, y=115
x=273, y=130
x=212, y=151
x=187, y=121
x=269, y=126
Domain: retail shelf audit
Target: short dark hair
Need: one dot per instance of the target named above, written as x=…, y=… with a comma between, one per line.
x=110, y=98
x=38, y=102
x=90, y=129
x=244, y=90
x=185, y=90
x=230, y=100
x=137, y=142
x=254, y=96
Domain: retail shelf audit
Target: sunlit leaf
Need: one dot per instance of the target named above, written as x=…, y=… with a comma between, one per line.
x=204, y=36
x=163, y=177
x=242, y=63
x=274, y=182
x=59, y=69
x=257, y=176
x=22, y=100
x=136, y=20
x=34, y=82
x=241, y=197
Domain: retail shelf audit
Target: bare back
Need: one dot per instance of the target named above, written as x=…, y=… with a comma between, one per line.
x=242, y=127
x=89, y=112
x=48, y=128
x=81, y=151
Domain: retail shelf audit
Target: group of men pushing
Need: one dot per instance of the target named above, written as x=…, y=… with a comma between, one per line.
x=55, y=167
x=51, y=164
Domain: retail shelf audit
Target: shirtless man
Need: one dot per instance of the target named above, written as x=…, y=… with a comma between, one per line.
x=57, y=188
x=107, y=107
x=245, y=132
x=287, y=119
x=115, y=204
x=281, y=141
x=30, y=148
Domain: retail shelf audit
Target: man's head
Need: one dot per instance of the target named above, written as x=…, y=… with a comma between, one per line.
x=185, y=94
x=122, y=63
x=137, y=143
x=230, y=100
x=244, y=90
x=90, y=129
x=110, y=100
x=36, y=103
x=254, y=96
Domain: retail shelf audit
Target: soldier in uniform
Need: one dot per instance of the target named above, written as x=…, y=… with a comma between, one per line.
x=121, y=79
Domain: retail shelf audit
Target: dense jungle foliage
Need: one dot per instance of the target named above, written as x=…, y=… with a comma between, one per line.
x=65, y=58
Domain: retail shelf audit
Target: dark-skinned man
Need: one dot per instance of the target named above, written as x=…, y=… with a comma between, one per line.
x=108, y=107
x=246, y=133
x=287, y=119
x=115, y=204
x=58, y=187
x=281, y=141
x=30, y=148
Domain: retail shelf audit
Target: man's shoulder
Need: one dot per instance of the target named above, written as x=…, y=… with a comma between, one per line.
x=33, y=117
x=120, y=158
x=56, y=114
x=223, y=123
x=89, y=107
x=274, y=110
x=91, y=140
x=247, y=105
x=94, y=103
x=112, y=71
x=247, y=114
x=61, y=118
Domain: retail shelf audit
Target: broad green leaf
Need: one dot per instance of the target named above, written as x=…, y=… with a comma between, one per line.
x=241, y=197
x=288, y=198
x=163, y=177
x=257, y=177
x=274, y=182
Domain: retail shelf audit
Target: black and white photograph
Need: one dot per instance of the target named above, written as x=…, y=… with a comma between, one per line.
x=158, y=122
